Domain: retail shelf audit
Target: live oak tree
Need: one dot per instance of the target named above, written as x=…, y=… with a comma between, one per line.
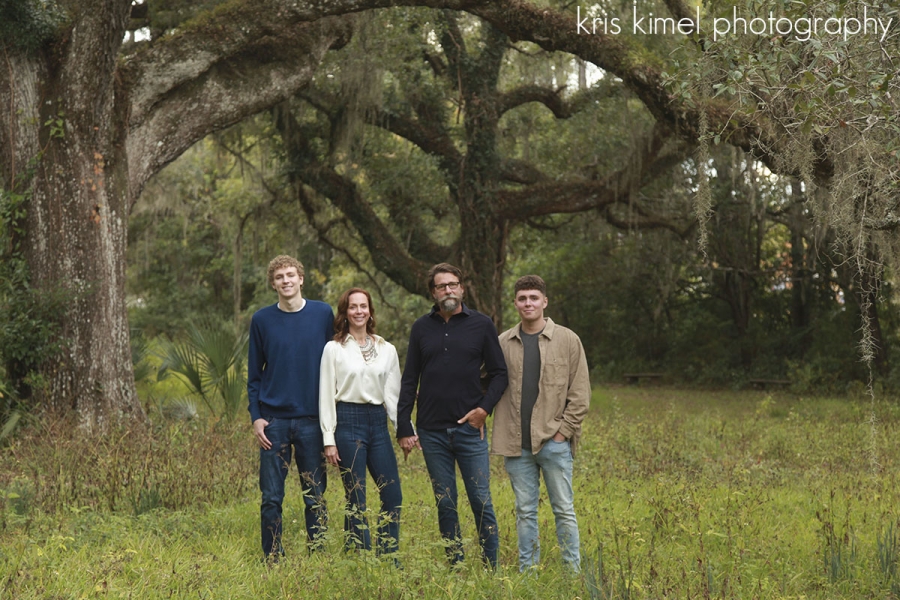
x=85, y=124
x=86, y=120
x=822, y=110
x=819, y=110
x=446, y=92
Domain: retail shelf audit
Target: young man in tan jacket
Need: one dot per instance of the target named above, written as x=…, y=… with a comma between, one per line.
x=537, y=422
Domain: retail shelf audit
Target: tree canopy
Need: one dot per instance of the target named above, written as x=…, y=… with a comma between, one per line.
x=89, y=119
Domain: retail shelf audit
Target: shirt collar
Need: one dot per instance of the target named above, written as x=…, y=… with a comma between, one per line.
x=376, y=339
x=547, y=332
x=435, y=310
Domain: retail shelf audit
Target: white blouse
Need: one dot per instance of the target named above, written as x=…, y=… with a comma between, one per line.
x=344, y=376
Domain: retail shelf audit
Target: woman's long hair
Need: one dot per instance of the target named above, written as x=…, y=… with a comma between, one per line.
x=342, y=324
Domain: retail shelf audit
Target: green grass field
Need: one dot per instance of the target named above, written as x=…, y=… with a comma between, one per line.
x=679, y=494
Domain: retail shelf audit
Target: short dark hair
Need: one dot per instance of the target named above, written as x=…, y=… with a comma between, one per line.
x=530, y=282
x=341, y=323
x=442, y=268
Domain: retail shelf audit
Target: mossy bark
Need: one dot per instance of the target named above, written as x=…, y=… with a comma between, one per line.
x=82, y=129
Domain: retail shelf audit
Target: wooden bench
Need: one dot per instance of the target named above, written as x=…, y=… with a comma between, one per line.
x=761, y=384
x=637, y=377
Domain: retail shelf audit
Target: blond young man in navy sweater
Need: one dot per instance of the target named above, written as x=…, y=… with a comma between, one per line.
x=286, y=344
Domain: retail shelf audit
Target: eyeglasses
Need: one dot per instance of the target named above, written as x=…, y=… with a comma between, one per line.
x=452, y=286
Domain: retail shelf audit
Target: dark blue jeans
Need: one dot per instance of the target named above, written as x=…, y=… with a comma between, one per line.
x=363, y=442
x=462, y=445
x=301, y=437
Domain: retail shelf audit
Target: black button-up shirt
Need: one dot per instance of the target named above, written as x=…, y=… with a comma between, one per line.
x=444, y=363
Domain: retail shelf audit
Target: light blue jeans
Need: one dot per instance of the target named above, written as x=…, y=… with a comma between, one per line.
x=555, y=461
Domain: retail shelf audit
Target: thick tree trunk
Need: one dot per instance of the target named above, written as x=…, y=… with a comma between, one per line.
x=63, y=145
x=483, y=257
x=77, y=225
x=82, y=130
x=483, y=234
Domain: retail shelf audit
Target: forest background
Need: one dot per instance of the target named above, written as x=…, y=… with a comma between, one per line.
x=716, y=249
x=717, y=210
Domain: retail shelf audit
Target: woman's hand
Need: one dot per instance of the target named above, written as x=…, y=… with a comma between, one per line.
x=408, y=444
x=331, y=455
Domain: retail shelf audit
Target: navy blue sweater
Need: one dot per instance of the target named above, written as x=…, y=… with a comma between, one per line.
x=283, y=365
x=444, y=363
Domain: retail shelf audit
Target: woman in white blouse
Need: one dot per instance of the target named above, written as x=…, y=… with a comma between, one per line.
x=359, y=387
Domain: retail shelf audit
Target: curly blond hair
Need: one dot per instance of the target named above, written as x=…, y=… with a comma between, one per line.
x=280, y=262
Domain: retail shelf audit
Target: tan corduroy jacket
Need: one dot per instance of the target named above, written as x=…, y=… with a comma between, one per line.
x=564, y=391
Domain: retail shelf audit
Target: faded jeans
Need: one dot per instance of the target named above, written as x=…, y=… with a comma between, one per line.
x=555, y=461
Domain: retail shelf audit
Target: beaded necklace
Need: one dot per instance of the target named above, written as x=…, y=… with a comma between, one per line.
x=369, y=353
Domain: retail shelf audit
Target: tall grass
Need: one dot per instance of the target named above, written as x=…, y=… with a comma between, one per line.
x=679, y=494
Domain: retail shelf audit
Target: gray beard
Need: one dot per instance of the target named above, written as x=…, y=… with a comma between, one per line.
x=449, y=304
